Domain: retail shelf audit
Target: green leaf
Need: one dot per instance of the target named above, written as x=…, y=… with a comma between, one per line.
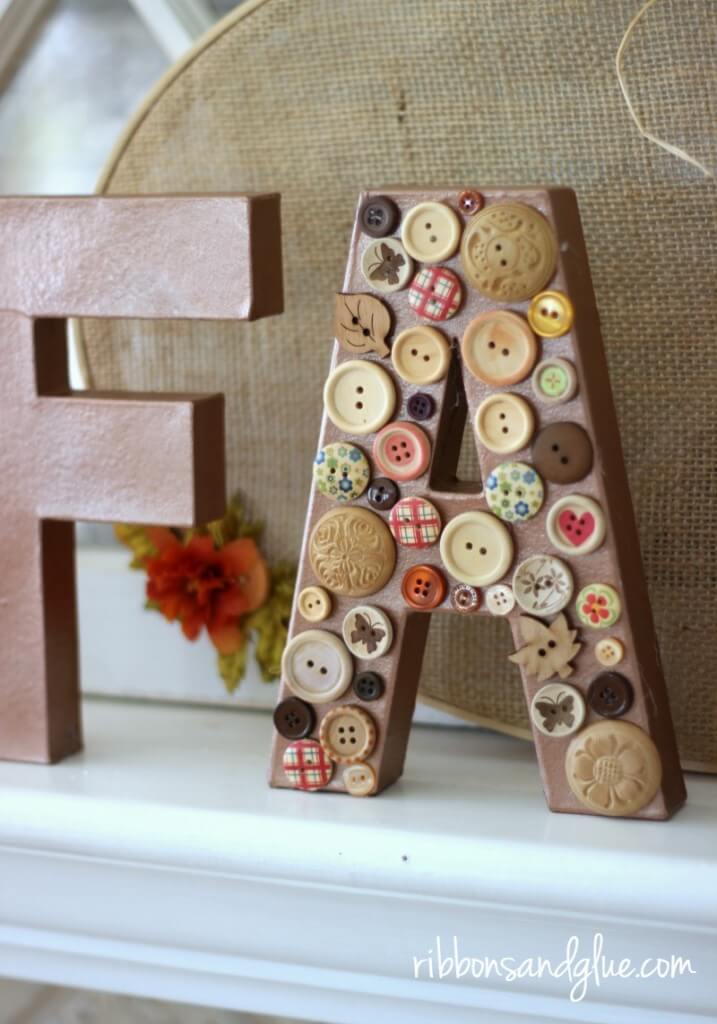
x=232, y=668
x=136, y=539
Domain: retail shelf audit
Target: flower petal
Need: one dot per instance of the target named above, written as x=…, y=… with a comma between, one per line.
x=599, y=793
x=227, y=638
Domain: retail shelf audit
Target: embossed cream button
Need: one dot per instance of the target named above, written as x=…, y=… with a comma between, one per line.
x=367, y=632
x=314, y=604
x=576, y=525
x=551, y=314
x=359, y=397
x=504, y=423
x=359, y=779
x=316, y=666
x=352, y=552
x=347, y=734
x=431, y=232
x=554, y=380
x=557, y=710
x=613, y=768
x=543, y=585
x=386, y=266
x=476, y=548
x=421, y=355
x=499, y=348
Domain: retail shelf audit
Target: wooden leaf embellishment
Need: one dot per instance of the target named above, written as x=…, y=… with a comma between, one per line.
x=548, y=649
x=367, y=634
x=361, y=324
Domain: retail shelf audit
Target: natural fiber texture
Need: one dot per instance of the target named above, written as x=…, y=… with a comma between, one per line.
x=321, y=98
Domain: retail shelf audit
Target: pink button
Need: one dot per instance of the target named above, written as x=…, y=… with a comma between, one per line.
x=402, y=451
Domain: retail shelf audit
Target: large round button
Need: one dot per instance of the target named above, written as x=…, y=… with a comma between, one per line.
x=563, y=453
x=359, y=397
x=402, y=451
x=431, y=232
x=435, y=293
x=610, y=695
x=415, y=523
x=557, y=710
x=499, y=348
x=476, y=548
x=383, y=494
x=352, y=552
x=341, y=471
x=386, y=266
x=378, y=216
x=314, y=604
x=508, y=251
x=423, y=587
x=368, y=686
x=499, y=599
x=367, y=632
x=554, y=380
x=609, y=651
x=576, y=525
x=543, y=585
x=316, y=666
x=421, y=355
x=294, y=719
x=613, y=768
x=504, y=423
x=306, y=766
x=514, y=492
x=347, y=734
x=551, y=314
x=359, y=779
x=598, y=605
x=420, y=406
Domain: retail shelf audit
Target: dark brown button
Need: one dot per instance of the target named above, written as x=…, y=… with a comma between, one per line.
x=378, y=216
x=368, y=686
x=293, y=718
x=563, y=453
x=610, y=695
x=420, y=406
x=383, y=494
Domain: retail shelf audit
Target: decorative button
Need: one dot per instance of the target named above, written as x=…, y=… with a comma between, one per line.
x=431, y=232
x=293, y=718
x=576, y=525
x=557, y=710
x=378, y=216
x=361, y=324
x=476, y=548
x=465, y=598
x=514, y=492
x=314, y=604
x=347, y=734
x=352, y=552
x=341, y=471
x=306, y=766
x=563, y=453
x=551, y=314
x=543, y=585
x=470, y=202
x=613, y=768
x=508, y=251
x=386, y=266
x=402, y=451
x=368, y=686
x=360, y=779
x=359, y=397
x=415, y=523
x=499, y=599
x=598, y=605
x=554, y=380
x=383, y=494
x=610, y=695
x=609, y=651
x=316, y=666
x=423, y=587
x=367, y=632
x=548, y=650
x=499, y=348
x=435, y=293
x=420, y=406
x=421, y=355
x=504, y=423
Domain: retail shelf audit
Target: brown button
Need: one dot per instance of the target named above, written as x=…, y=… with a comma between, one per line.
x=293, y=718
x=347, y=734
x=563, y=453
x=470, y=202
x=361, y=324
x=352, y=552
x=423, y=587
x=383, y=494
x=610, y=695
x=378, y=216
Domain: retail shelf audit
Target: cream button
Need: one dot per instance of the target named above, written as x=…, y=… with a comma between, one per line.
x=499, y=348
x=504, y=423
x=557, y=710
x=386, y=266
x=431, y=232
x=554, y=380
x=499, y=599
x=576, y=525
x=314, y=604
x=359, y=779
x=421, y=355
x=347, y=734
x=367, y=632
x=476, y=548
x=543, y=585
x=316, y=666
x=610, y=651
x=359, y=397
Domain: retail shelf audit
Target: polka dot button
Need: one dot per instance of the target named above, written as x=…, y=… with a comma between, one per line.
x=499, y=599
x=386, y=266
x=402, y=451
x=613, y=768
x=563, y=453
x=360, y=779
x=352, y=552
x=359, y=397
x=383, y=494
x=499, y=348
x=314, y=604
x=341, y=471
x=368, y=686
x=423, y=587
x=347, y=734
x=598, y=605
x=576, y=525
x=465, y=598
x=554, y=381
x=420, y=406
x=367, y=632
x=610, y=695
x=415, y=523
x=435, y=293
x=551, y=314
x=609, y=651
x=514, y=492
x=306, y=766
x=431, y=232
x=378, y=216
x=293, y=718
x=557, y=710
x=543, y=585
x=316, y=666
x=476, y=548
x=421, y=355
x=504, y=423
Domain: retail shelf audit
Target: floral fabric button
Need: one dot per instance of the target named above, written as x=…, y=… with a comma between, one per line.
x=420, y=406
x=554, y=380
x=359, y=397
x=352, y=552
x=314, y=604
x=576, y=525
x=504, y=423
x=386, y=266
x=551, y=314
x=543, y=585
x=465, y=598
x=423, y=587
x=470, y=202
x=415, y=523
x=421, y=355
x=347, y=734
x=476, y=548
x=610, y=695
x=499, y=348
x=367, y=632
x=378, y=216
x=368, y=686
x=514, y=492
x=341, y=471
x=306, y=766
x=316, y=666
x=609, y=651
x=557, y=709
x=402, y=451
x=435, y=293
x=613, y=768
x=383, y=494
x=431, y=232
x=499, y=599
x=294, y=719
x=598, y=605
x=563, y=453
x=359, y=779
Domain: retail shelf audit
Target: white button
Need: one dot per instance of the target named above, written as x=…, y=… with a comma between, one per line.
x=359, y=397
x=359, y=779
x=576, y=525
x=557, y=710
x=476, y=548
x=610, y=651
x=316, y=666
x=431, y=232
x=367, y=632
x=543, y=585
x=499, y=599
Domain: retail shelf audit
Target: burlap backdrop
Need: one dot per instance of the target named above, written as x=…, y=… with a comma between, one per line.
x=319, y=98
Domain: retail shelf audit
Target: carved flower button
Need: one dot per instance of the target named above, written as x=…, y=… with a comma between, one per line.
x=576, y=525
x=504, y=423
x=476, y=548
x=352, y=552
x=386, y=266
x=499, y=348
x=347, y=734
x=402, y=451
x=359, y=779
x=378, y=216
x=367, y=632
x=554, y=380
x=613, y=768
x=557, y=710
x=548, y=650
x=435, y=293
x=341, y=471
x=359, y=397
x=421, y=355
x=306, y=766
x=316, y=666
x=431, y=232
x=361, y=324
x=499, y=599
x=415, y=523
x=598, y=605
x=551, y=314
x=543, y=585
x=514, y=492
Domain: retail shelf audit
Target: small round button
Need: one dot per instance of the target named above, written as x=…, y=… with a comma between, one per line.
x=499, y=348
x=293, y=718
x=314, y=604
x=316, y=666
x=543, y=585
x=359, y=779
x=576, y=525
x=421, y=355
x=514, y=492
x=470, y=202
x=554, y=380
x=504, y=423
x=563, y=453
x=306, y=766
x=423, y=587
x=610, y=695
x=352, y=552
x=557, y=710
x=420, y=406
x=415, y=523
x=341, y=471
x=613, y=768
x=609, y=651
x=383, y=494
x=499, y=599
x=359, y=396
x=386, y=266
x=465, y=598
x=476, y=548
x=551, y=314
x=431, y=232
x=367, y=632
x=378, y=216
x=598, y=605
x=402, y=451
x=368, y=686
x=347, y=734
x=435, y=293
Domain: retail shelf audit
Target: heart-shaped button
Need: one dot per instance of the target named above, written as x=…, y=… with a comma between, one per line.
x=576, y=525
x=576, y=529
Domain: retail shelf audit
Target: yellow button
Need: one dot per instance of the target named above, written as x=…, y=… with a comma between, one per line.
x=316, y=666
x=421, y=355
x=352, y=552
x=613, y=768
x=504, y=423
x=359, y=397
x=609, y=651
x=360, y=779
x=347, y=734
x=551, y=314
x=314, y=604
x=431, y=232
x=499, y=348
x=476, y=548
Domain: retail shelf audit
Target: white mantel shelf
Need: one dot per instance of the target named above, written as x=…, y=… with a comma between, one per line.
x=158, y=863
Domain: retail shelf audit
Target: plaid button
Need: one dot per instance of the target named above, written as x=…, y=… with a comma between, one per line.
x=435, y=293
x=415, y=523
x=306, y=766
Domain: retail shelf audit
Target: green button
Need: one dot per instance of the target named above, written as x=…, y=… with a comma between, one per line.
x=554, y=381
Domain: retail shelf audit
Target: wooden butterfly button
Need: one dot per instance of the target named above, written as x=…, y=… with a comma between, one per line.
x=367, y=632
x=557, y=710
x=386, y=266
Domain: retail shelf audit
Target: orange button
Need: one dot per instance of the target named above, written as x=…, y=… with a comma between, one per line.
x=423, y=587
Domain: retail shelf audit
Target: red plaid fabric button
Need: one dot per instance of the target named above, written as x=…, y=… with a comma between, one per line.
x=435, y=293
x=306, y=766
x=415, y=523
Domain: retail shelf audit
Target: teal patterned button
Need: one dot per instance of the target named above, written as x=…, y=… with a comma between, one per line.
x=514, y=492
x=341, y=471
